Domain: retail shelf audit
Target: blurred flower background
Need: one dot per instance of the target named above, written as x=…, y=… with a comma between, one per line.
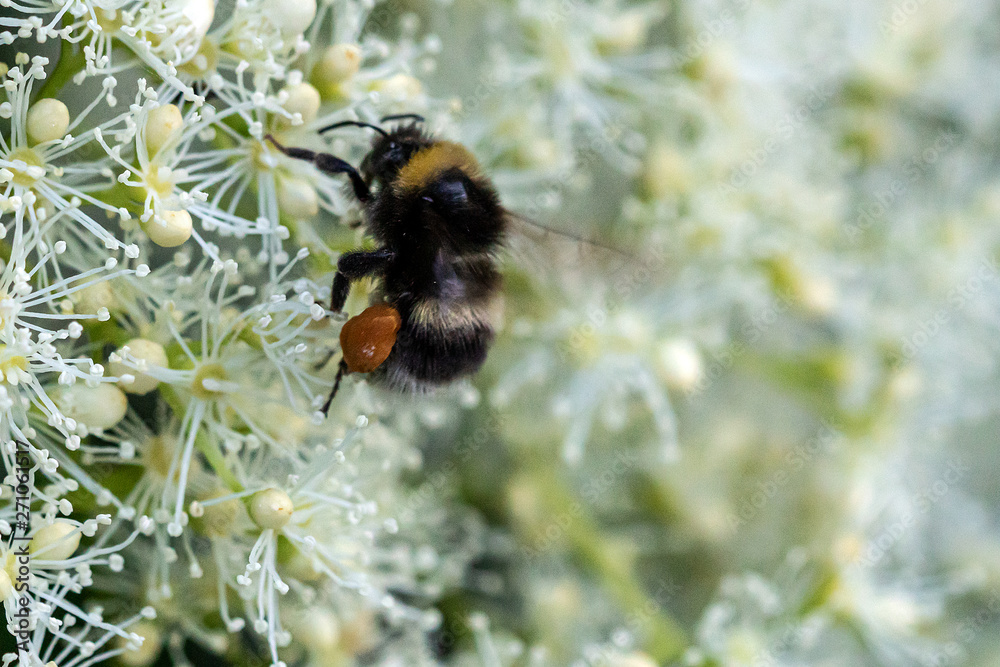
x=762, y=432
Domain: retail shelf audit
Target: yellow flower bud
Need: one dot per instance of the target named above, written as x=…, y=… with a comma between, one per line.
x=171, y=230
x=271, y=508
x=291, y=17
x=398, y=88
x=140, y=349
x=162, y=124
x=200, y=13
x=147, y=652
x=57, y=541
x=302, y=99
x=680, y=364
x=665, y=172
x=48, y=120
x=297, y=197
x=99, y=407
x=338, y=65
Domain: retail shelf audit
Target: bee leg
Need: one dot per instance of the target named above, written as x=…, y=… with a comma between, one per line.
x=354, y=266
x=341, y=371
x=338, y=293
x=329, y=164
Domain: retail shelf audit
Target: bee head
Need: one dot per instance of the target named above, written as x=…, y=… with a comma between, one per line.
x=391, y=152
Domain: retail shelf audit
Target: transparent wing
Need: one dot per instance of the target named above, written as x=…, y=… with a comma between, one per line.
x=555, y=255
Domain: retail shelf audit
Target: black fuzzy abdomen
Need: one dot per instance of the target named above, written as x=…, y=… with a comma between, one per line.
x=437, y=345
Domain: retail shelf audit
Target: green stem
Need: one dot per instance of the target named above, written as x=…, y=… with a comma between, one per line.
x=204, y=445
x=825, y=586
x=210, y=449
x=71, y=61
x=666, y=640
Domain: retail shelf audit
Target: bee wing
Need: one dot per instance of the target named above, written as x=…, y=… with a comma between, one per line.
x=553, y=253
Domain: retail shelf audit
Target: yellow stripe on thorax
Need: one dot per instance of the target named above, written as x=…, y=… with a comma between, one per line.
x=424, y=167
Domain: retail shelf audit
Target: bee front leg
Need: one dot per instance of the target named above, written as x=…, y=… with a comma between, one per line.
x=329, y=164
x=354, y=266
x=341, y=372
x=338, y=293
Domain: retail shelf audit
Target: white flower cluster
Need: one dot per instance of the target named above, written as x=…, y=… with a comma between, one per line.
x=779, y=408
x=162, y=340
x=750, y=421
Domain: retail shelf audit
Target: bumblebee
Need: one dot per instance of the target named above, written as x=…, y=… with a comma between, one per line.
x=439, y=225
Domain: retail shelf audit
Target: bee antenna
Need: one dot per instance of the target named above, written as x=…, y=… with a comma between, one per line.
x=357, y=123
x=403, y=116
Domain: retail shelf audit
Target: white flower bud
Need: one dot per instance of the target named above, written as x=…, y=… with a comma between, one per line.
x=291, y=17
x=905, y=383
x=200, y=13
x=96, y=296
x=680, y=364
x=538, y=152
x=399, y=87
x=162, y=123
x=271, y=508
x=100, y=407
x=297, y=197
x=48, y=119
x=136, y=655
x=665, y=172
x=624, y=33
x=6, y=586
x=146, y=350
x=57, y=541
x=318, y=629
x=523, y=500
x=632, y=660
x=216, y=519
x=339, y=63
x=302, y=99
x=818, y=294
x=558, y=600
x=171, y=230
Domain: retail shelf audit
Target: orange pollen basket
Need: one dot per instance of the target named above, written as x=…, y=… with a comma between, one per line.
x=367, y=339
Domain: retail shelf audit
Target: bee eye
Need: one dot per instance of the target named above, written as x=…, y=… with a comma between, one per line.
x=452, y=192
